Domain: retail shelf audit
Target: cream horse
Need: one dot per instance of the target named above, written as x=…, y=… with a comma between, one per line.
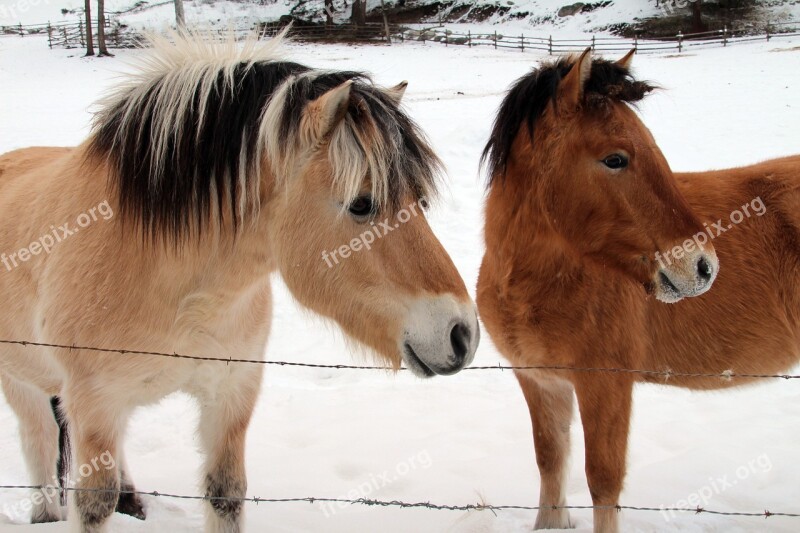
x=210, y=168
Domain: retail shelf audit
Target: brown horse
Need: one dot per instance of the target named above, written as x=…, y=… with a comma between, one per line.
x=585, y=223
x=209, y=169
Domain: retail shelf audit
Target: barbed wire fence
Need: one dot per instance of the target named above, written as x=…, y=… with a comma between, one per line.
x=414, y=505
x=666, y=374
x=726, y=375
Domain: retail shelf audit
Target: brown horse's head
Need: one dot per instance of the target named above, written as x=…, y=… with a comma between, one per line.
x=568, y=141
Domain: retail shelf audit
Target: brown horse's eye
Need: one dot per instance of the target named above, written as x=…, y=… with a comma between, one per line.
x=616, y=161
x=362, y=207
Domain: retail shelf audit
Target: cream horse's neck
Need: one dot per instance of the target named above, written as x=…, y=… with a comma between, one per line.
x=199, y=297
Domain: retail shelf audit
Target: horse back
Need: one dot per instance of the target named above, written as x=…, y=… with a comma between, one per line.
x=24, y=160
x=750, y=319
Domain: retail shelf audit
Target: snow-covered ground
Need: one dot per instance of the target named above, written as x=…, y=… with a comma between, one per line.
x=466, y=438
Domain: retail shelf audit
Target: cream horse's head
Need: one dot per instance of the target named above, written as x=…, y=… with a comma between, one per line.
x=326, y=164
x=353, y=175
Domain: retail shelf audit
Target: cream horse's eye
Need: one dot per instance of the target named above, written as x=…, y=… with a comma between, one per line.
x=362, y=207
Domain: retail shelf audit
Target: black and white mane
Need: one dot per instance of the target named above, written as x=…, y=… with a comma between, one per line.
x=190, y=135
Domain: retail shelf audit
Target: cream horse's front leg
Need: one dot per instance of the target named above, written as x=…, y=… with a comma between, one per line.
x=39, y=432
x=224, y=419
x=97, y=422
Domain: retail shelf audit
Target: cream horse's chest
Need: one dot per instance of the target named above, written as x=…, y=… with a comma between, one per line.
x=217, y=326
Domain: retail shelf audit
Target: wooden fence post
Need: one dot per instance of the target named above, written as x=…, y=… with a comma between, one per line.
x=385, y=22
x=495, y=39
x=636, y=42
x=49, y=35
x=767, y=30
x=469, y=38
x=550, y=45
x=522, y=42
x=593, y=43
x=680, y=41
x=445, y=37
x=20, y=30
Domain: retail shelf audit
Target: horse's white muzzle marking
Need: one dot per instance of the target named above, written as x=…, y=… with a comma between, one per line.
x=440, y=336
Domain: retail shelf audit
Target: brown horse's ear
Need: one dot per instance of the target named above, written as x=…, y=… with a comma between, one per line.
x=396, y=93
x=626, y=60
x=571, y=88
x=325, y=113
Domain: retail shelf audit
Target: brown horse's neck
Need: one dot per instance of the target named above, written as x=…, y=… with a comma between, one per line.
x=521, y=233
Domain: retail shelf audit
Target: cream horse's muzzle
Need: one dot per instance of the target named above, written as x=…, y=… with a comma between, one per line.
x=440, y=337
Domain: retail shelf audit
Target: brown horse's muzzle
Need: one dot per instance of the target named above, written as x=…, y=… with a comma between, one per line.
x=685, y=273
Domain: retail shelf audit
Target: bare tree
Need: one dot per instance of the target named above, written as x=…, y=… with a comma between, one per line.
x=180, y=16
x=697, y=17
x=359, y=14
x=102, y=50
x=328, y=12
x=89, y=37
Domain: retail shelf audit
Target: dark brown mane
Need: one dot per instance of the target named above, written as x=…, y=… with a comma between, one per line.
x=530, y=95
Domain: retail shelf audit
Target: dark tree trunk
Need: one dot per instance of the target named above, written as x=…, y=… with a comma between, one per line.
x=101, y=29
x=359, y=13
x=328, y=12
x=697, y=17
x=89, y=37
x=180, y=17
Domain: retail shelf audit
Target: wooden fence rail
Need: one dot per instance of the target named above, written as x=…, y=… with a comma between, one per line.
x=679, y=42
x=72, y=35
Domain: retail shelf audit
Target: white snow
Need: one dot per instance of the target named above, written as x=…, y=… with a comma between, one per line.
x=466, y=438
x=533, y=17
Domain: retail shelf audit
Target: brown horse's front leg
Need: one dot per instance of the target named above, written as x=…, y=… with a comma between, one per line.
x=605, y=406
x=551, y=405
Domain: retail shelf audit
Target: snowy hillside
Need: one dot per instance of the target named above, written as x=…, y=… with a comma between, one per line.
x=561, y=16
x=466, y=438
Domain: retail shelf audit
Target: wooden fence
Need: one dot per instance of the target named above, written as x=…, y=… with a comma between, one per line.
x=678, y=43
x=72, y=35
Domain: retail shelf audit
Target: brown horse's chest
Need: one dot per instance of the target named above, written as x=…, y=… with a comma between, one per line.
x=562, y=318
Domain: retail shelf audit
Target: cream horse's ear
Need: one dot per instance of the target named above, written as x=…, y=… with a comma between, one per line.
x=396, y=93
x=325, y=113
x=626, y=60
x=571, y=87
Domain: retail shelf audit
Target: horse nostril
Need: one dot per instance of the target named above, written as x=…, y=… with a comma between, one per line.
x=704, y=268
x=459, y=339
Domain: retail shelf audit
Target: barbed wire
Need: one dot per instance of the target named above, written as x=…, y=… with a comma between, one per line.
x=405, y=505
x=727, y=375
